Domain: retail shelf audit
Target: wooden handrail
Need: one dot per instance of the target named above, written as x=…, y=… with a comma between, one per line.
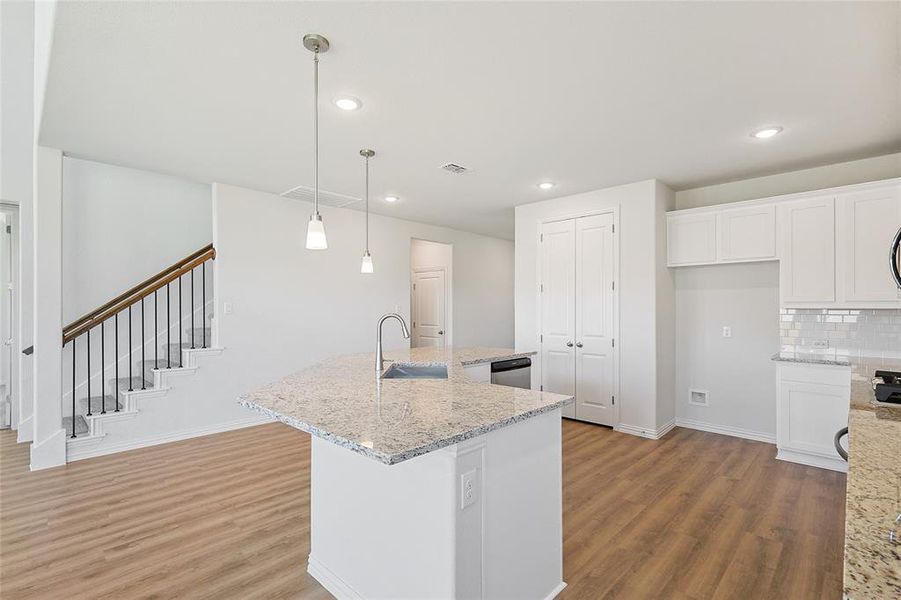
x=136, y=293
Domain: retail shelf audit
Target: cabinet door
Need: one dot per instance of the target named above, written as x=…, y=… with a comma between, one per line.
x=558, y=273
x=595, y=319
x=809, y=415
x=691, y=239
x=807, y=270
x=745, y=234
x=871, y=219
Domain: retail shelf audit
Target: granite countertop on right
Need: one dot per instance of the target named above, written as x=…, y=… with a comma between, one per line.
x=873, y=494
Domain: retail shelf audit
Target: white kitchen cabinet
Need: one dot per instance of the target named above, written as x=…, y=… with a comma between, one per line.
x=812, y=406
x=480, y=372
x=691, y=238
x=746, y=234
x=807, y=268
x=868, y=221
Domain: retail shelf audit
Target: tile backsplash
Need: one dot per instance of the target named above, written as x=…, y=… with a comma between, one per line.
x=846, y=332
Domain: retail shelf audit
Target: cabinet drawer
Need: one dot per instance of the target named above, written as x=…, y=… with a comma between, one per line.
x=816, y=374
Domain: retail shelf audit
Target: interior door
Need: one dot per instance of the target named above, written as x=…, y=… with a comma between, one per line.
x=594, y=356
x=429, y=308
x=557, y=290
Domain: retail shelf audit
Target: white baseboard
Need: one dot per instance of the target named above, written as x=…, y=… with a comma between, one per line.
x=738, y=432
x=112, y=448
x=812, y=460
x=645, y=432
x=336, y=586
x=556, y=591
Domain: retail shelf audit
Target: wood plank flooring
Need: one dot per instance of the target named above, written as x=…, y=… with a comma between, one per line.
x=692, y=516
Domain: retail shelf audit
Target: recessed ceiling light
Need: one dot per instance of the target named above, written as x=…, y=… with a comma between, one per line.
x=546, y=185
x=348, y=103
x=390, y=198
x=766, y=132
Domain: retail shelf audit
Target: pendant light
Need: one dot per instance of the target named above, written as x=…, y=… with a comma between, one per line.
x=316, y=240
x=366, y=264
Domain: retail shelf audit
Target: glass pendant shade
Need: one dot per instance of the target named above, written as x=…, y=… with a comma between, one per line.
x=366, y=265
x=316, y=234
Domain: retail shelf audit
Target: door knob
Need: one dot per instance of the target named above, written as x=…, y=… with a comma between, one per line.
x=578, y=344
x=569, y=344
x=440, y=332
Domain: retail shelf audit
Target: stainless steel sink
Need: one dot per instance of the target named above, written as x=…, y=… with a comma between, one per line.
x=411, y=371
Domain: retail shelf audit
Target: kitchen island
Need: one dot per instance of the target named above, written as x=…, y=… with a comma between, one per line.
x=427, y=488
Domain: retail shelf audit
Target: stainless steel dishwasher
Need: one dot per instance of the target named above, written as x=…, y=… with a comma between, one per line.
x=516, y=372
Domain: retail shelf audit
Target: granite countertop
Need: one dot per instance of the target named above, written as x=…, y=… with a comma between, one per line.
x=873, y=495
x=392, y=420
x=813, y=358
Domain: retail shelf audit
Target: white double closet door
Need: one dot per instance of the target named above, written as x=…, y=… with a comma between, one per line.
x=578, y=314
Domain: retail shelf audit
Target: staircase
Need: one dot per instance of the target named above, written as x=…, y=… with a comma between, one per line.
x=133, y=349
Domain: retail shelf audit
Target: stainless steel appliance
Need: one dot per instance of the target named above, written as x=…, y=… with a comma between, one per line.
x=895, y=259
x=516, y=372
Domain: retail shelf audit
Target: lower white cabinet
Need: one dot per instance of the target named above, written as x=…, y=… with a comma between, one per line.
x=813, y=402
x=480, y=372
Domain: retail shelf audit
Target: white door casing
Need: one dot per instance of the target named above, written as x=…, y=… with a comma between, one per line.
x=595, y=319
x=429, y=308
x=557, y=295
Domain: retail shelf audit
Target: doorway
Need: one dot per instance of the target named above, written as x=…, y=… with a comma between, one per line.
x=9, y=263
x=431, y=294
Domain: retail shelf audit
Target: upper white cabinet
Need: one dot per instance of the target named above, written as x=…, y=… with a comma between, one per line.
x=833, y=245
x=807, y=270
x=691, y=238
x=868, y=221
x=746, y=234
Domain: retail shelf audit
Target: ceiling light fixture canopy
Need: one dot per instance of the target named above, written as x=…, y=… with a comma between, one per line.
x=366, y=265
x=546, y=185
x=766, y=132
x=348, y=103
x=391, y=199
x=316, y=239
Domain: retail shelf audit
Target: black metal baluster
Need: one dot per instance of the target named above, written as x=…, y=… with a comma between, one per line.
x=102, y=368
x=203, y=306
x=89, y=375
x=73, y=385
x=192, y=309
x=116, y=354
x=130, y=349
x=156, y=332
x=143, y=345
x=181, y=329
x=168, y=331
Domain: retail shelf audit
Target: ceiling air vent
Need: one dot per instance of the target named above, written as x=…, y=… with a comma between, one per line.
x=454, y=168
x=326, y=198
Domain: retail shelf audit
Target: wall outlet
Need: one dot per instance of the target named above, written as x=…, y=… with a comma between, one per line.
x=727, y=332
x=227, y=308
x=821, y=344
x=469, y=491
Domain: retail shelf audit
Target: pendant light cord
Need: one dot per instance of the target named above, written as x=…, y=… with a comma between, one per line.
x=367, y=205
x=316, y=132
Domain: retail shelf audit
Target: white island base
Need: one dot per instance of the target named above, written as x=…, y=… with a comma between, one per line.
x=401, y=531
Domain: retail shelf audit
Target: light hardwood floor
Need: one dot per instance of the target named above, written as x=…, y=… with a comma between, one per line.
x=692, y=516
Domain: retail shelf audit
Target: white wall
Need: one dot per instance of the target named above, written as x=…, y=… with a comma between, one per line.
x=641, y=341
x=293, y=307
x=426, y=254
x=846, y=173
x=737, y=372
x=121, y=226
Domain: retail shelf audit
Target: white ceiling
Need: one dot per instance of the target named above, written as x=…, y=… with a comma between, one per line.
x=587, y=94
